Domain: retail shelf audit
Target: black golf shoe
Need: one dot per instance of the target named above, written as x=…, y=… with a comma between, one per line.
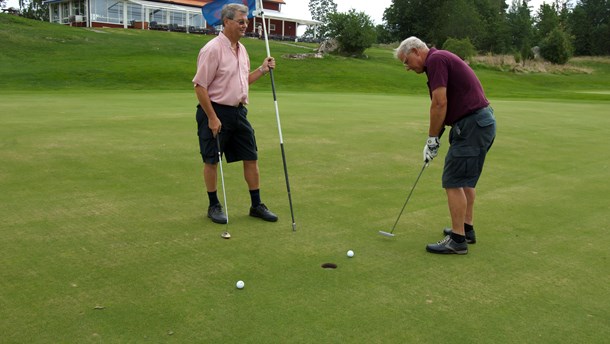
x=216, y=214
x=261, y=211
x=448, y=246
x=471, y=237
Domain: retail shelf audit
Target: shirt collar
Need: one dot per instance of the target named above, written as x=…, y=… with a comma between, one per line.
x=432, y=50
x=227, y=42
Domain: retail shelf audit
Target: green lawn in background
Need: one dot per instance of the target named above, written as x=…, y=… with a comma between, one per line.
x=38, y=56
x=104, y=235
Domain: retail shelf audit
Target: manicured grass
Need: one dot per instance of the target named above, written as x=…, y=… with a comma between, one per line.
x=104, y=237
x=37, y=56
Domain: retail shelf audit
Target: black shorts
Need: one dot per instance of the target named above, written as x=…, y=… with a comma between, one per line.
x=470, y=139
x=237, y=141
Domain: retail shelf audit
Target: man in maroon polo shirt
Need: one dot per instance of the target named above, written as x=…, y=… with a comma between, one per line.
x=457, y=100
x=221, y=85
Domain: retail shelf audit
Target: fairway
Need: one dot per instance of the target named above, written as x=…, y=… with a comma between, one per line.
x=105, y=239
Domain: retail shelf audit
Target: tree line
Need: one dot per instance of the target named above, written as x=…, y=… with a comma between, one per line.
x=496, y=27
x=559, y=29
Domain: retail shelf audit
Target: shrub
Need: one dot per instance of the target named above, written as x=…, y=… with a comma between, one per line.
x=556, y=47
x=461, y=47
x=355, y=32
x=517, y=56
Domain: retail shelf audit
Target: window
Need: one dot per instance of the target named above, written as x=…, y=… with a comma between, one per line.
x=109, y=11
x=159, y=16
x=196, y=20
x=78, y=7
x=65, y=12
x=178, y=18
x=54, y=13
x=134, y=12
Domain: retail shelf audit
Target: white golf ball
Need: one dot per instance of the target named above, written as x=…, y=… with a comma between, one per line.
x=240, y=284
x=350, y=253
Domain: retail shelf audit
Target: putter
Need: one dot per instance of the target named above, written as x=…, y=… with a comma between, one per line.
x=225, y=234
x=391, y=233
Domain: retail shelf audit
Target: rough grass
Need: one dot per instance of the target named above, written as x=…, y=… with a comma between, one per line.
x=507, y=63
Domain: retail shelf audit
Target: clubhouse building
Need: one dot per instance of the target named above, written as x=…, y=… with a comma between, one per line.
x=167, y=15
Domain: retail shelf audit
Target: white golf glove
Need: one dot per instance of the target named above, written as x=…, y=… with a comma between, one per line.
x=431, y=148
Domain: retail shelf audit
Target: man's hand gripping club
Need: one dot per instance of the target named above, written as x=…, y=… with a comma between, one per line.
x=431, y=148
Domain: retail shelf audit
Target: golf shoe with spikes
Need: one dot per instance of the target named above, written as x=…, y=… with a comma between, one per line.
x=261, y=211
x=448, y=246
x=216, y=214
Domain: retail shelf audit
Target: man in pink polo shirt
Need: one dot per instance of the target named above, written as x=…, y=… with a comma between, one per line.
x=221, y=85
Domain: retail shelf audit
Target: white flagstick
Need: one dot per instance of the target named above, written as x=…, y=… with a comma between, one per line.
x=277, y=114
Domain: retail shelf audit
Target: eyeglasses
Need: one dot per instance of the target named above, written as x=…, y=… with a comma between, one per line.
x=405, y=61
x=241, y=22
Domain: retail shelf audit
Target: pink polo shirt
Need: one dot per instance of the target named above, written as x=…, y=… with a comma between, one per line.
x=221, y=73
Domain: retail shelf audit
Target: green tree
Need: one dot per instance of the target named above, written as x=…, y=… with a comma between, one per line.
x=461, y=47
x=320, y=9
x=34, y=9
x=459, y=19
x=556, y=47
x=589, y=23
x=383, y=35
x=405, y=18
x=483, y=21
x=354, y=31
x=520, y=25
x=578, y=26
x=546, y=20
x=495, y=36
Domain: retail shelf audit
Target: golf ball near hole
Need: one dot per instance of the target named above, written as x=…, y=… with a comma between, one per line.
x=240, y=284
x=350, y=253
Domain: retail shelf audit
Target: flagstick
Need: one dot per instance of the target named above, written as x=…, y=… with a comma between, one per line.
x=277, y=116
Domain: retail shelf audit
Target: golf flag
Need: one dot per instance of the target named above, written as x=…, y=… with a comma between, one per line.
x=211, y=10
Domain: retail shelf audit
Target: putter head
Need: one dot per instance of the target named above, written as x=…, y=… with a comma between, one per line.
x=225, y=235
x=386, y=234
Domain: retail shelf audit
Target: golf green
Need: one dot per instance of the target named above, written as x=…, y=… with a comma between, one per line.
x=105, y=238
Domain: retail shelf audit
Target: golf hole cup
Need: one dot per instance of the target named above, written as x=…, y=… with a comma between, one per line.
x=350, y=254
x=240, y=284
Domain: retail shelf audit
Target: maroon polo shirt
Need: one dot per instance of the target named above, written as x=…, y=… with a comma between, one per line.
x=464, y=90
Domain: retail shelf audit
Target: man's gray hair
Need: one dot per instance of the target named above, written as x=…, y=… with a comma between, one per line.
x=408, y=44
x=229, y=10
